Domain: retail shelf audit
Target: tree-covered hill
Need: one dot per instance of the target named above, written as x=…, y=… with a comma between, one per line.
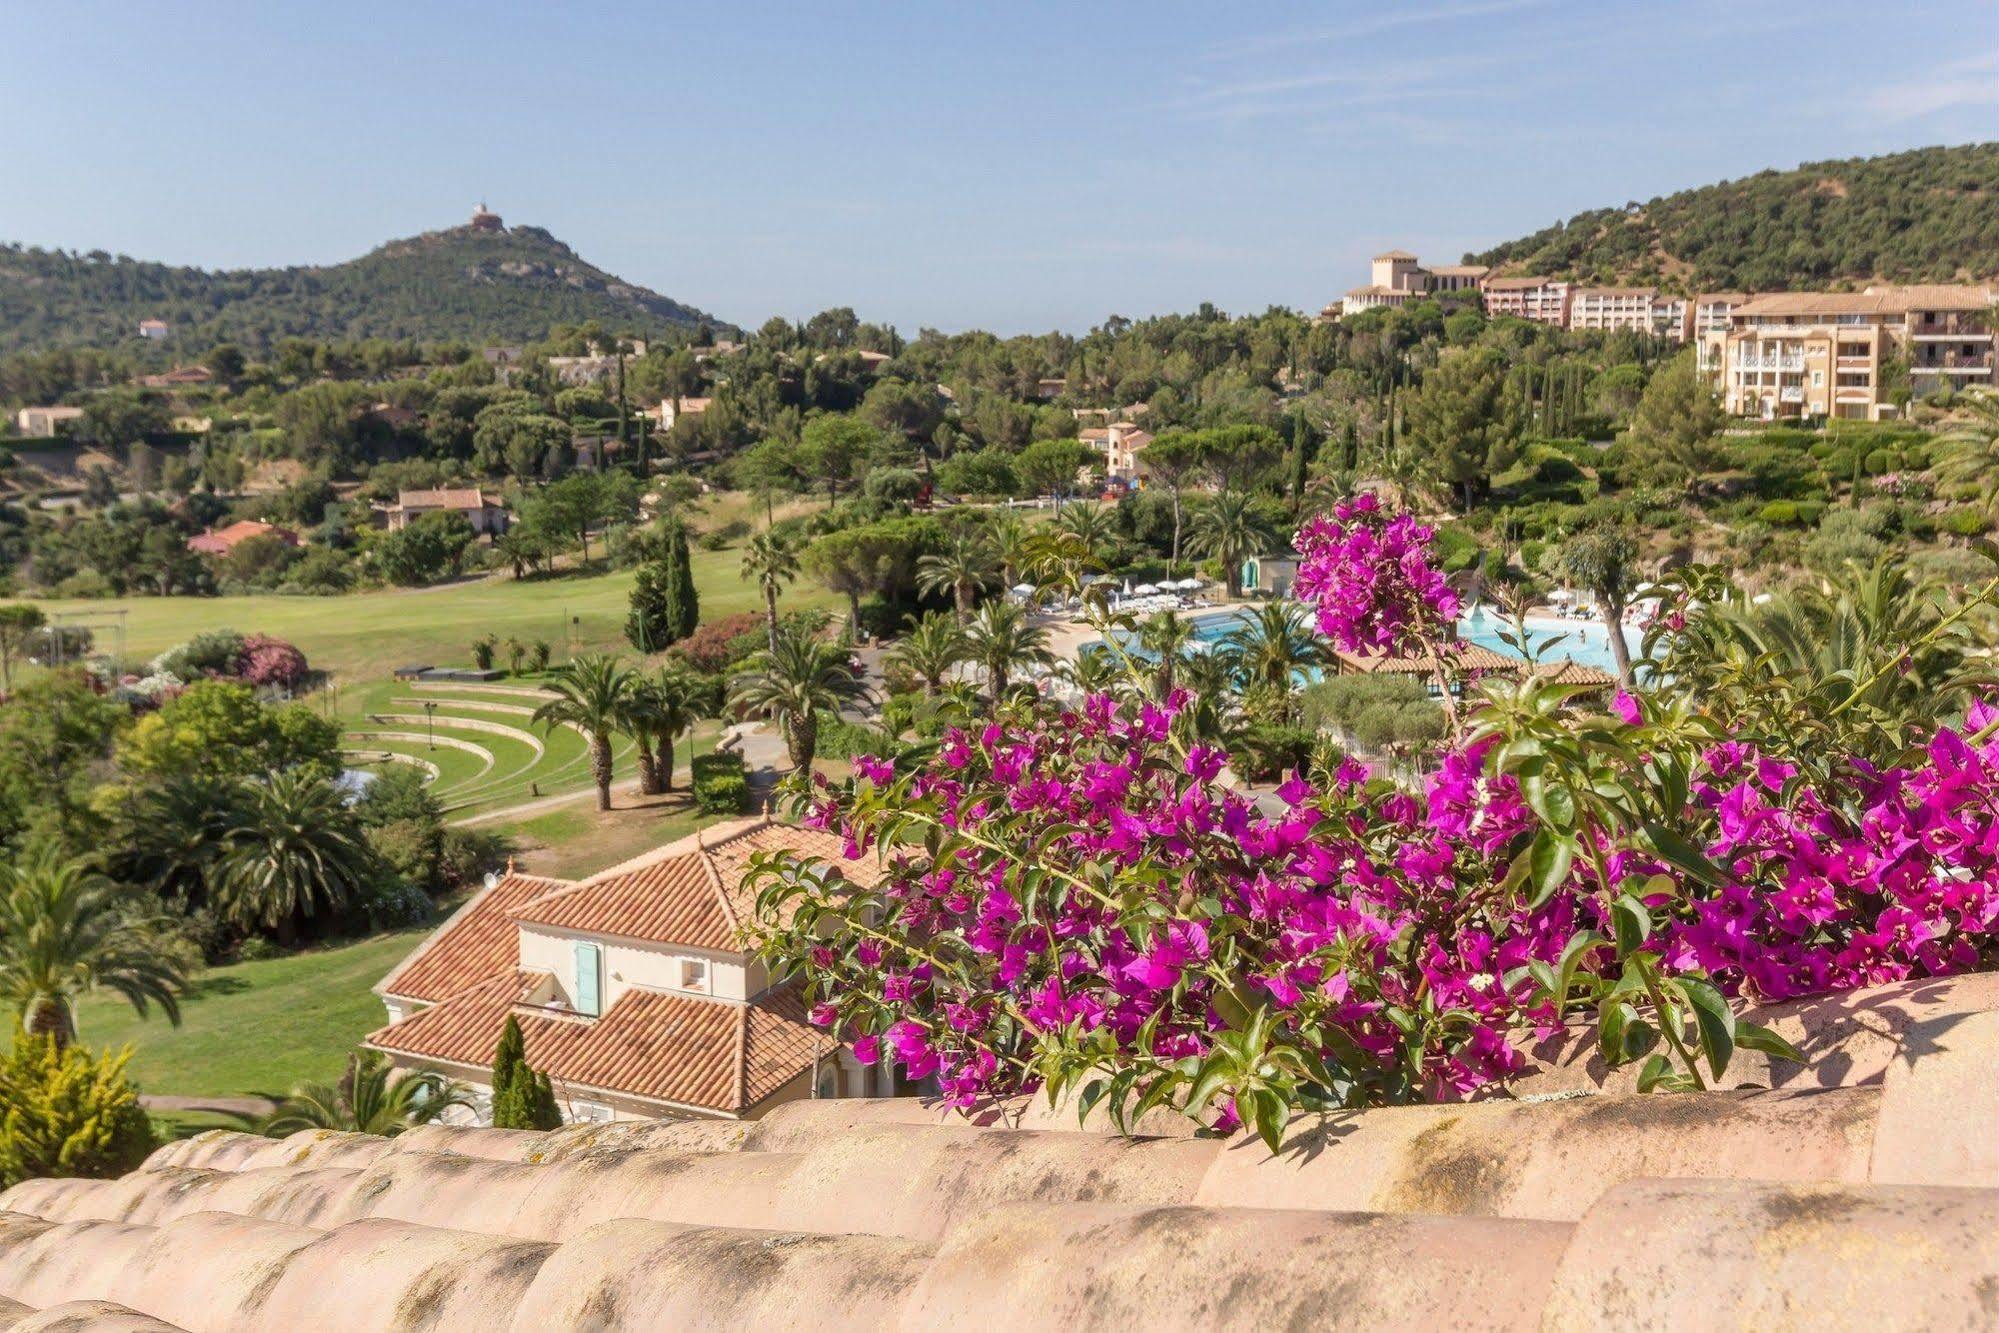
x=460, y=283
x=1930, y=215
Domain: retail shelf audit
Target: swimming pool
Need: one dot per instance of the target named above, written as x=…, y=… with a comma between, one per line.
x=1587, y=641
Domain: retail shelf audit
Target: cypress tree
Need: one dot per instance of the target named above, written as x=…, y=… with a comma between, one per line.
x=647, y=624
x=509, y=1059
x=683, y=605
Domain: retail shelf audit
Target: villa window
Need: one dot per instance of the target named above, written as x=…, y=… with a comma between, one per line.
x=694, y=974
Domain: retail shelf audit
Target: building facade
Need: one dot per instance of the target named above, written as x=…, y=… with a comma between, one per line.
x=1397, y=278
x=45, y=423
x=486, y=514
x=1544, y=300
x=1801, y=355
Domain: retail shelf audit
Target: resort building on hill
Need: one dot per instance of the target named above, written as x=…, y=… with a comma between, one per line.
x=1825, y=354
x=221, y=541
x=1545, y=300
x=634, y=989
x=1611, y=309
x=1397, y=277
x=487, y=514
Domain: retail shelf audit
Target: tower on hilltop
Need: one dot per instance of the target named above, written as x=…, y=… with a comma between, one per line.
x=484, y=219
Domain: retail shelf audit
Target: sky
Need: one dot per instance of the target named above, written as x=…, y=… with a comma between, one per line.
x=1015, y=167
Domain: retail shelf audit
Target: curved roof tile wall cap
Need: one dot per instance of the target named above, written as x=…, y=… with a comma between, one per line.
x=1863, y=1193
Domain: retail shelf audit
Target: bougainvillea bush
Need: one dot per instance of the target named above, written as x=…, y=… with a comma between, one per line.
x=1074, y=902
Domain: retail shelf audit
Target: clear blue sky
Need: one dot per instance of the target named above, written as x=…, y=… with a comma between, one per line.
x=1017, y=167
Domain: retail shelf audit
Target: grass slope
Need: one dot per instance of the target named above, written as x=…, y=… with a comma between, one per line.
x=258, y=1027
x=364, y=636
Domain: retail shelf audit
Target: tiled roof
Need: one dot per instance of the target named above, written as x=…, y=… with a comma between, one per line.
x=684, y=1049
x=465, y=498
x=1468, y=657
x=1568, y=671
x=1516, y=284
x=220, y=541
x=478, y=940
x=1861, y=1193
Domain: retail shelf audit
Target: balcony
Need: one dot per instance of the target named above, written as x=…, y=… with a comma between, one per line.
x=1779, y=361
x=1952, y=363
x=1791, y=395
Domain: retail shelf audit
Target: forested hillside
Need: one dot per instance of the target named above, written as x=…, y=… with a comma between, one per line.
x=456, y=284
x=1931, y=215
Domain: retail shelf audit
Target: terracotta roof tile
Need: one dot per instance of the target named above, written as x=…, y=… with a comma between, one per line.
x=684, y=1049
x=1862, y=1192
x=689, y=892
x=477, y=941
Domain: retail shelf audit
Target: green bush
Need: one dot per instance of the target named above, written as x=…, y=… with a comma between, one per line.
x=1779, y=513
x=1965, y=522
x=721, y=784
x=1270, y=750
x=65, y=1112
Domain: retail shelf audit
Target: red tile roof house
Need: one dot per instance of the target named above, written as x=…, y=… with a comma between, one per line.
x=486, y=514
x=1859, y=1193
x=221, y=541
x=633, y=988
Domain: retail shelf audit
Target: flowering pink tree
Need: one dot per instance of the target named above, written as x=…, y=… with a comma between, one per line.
x=271, y=661
x=1073, y=903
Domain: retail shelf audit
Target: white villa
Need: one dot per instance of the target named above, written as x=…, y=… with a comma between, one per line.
x=632, y=988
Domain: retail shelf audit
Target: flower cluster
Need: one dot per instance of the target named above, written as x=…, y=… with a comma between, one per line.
x=1070, y=893
x=1372, y=580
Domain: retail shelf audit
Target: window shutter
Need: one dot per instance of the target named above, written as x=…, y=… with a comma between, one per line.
x=588, y=964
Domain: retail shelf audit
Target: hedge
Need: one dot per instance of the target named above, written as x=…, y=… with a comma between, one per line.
x=721, y=783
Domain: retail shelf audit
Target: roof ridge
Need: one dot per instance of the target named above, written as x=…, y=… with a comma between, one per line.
x=742, y=1060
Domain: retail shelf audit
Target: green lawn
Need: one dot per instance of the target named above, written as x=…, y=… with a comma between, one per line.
x=361, y=637
x=255, y=1027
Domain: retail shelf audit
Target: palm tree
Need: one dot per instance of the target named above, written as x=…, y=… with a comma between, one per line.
x=172, y=835
x=962, y=570
x=771, y=558
x=1013, y=546
x=1165, y=635
x=1272, y=645
x=1969, y=451
x=662, y=707
x=795, y=682
x=294, y=850
x=590, y=695
x=1093, y=670
x=932, y=647
x=371, y=1098
x=1231, y=528
x=1000, y=638
x=1605, y=561
x=66, y=930
x=1094, y=524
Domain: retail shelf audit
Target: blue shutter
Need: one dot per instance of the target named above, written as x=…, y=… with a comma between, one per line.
x=587, y=965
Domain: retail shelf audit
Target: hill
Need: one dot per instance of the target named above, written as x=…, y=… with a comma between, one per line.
x=1930, y=215
x=464, y=283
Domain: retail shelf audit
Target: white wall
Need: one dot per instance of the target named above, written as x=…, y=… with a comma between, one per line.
x=627, y=963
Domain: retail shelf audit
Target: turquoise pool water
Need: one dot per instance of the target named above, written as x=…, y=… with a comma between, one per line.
x=1585, y=641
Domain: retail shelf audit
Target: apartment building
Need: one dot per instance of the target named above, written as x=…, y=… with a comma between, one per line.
x=1822, y=354
x=1542, y=299
x=1610, y=309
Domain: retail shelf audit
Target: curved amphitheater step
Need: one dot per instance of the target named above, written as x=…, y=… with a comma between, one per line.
x=1867, y=1199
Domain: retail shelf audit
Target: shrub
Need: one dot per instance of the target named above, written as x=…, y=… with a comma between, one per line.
x=65, y=1112
x=721, y=783
x=1270, y=751
x=1779, y=513
x=271, y=661
x=217, y=652
x=393, y=901
x=709, y=648
x=1964, y=522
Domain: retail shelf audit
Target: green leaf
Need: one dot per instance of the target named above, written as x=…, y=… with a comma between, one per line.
x=1756, y=1037
x=1656, y=1071
x=1677, y=851
x=1550, y=857
x=1632, y=923
x=1714, y=1019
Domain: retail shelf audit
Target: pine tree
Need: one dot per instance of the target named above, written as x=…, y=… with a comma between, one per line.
x=545, y=1113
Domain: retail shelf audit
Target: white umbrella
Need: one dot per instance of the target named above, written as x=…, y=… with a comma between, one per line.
x=1023, y=590
x=1127, y=587
x=1188, y=585
x=1144, y=590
